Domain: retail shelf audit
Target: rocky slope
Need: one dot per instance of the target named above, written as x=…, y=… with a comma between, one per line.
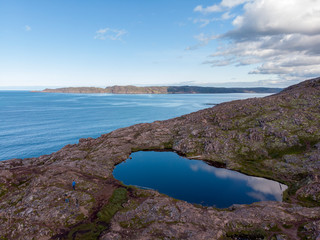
x=277, y=137
x=160, y=90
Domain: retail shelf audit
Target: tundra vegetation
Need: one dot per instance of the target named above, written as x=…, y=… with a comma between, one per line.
x=277, y=137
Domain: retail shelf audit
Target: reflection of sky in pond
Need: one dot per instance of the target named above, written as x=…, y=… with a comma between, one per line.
x=195, y=181
x=260, y=186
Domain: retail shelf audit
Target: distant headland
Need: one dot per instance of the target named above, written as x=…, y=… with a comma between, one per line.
x=161, y=90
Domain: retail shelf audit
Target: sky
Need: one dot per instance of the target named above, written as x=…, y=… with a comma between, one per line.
x=248, y=43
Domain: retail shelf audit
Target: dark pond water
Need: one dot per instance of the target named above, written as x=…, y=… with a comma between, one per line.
x=195, y=181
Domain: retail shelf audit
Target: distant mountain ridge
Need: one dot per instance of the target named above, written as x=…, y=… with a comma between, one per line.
x=161, y=90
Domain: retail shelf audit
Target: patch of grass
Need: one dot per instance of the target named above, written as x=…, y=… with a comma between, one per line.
x=89, y=231
x=251, y=156
x=275, y=228
x=285, y=195
x=118, y=197
x=303, y=234
x=280, y=152
x=92, y=230
x=136, y=223
x=168, y=145
x=3, y=190
x=80, y=217
x=254, y=234
x=198, y=205
x=257, y=169
x=304, y=144
x=134, y=149
x=308, y=201
x=287, y=226
x=124, y=224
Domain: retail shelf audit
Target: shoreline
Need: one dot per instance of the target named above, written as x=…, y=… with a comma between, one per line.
x=262, y=138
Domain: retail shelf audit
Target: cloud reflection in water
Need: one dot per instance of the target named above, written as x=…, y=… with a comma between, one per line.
x=260, y=186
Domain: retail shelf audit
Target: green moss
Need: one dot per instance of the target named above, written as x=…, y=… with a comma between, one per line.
x=198, y=205
x=80, y=217
x=3, y=190
x=303, y=234
x=136, y=223
x=287, y=226
x=118, y=197
x=140, y=193
x=275, y=228
x=257, y=169
x=168, y=145
x=124, y=224
x=280, y=152
x=92, y=230
x=285, y=195
x=308, y=201
x=134, y=149
x=253, y=234
x=89, y=231
x=251, y=156
x=304, y=144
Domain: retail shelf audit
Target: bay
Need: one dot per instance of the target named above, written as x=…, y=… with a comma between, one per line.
x=33, y=124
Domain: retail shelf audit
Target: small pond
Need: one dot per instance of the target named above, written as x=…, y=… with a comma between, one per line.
x=195, y=181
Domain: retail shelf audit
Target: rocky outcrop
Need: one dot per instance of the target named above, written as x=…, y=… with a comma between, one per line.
x=277, y=137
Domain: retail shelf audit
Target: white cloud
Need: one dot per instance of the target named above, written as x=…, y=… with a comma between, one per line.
x=209, y=9
x=112, y=34
x=227, y=16
x=204, y=22
x=233, y=3
x=224, y=5
x=281, y=37
x=27, y=28
x=277, y=17
x=203, y=39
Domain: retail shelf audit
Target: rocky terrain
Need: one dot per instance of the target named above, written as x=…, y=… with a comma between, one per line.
x=161, y=90
x=277, y=137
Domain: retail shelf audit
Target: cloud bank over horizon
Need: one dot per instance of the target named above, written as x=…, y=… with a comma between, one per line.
x=276, y=37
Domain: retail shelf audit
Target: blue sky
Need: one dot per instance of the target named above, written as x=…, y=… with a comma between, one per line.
x=168, y=42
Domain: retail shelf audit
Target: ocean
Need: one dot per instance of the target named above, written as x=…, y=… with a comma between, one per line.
x=33, y=123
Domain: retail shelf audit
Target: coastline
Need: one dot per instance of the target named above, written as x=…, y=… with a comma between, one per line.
x=160, y=90
x=264, y=137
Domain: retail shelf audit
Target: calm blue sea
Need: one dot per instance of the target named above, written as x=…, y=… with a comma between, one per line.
x=33, y=124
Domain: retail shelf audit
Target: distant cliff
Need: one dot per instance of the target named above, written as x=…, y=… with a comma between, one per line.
x=161, y=90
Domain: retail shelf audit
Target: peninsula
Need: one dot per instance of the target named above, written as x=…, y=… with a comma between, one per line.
x=161, y=90
x=277, y=137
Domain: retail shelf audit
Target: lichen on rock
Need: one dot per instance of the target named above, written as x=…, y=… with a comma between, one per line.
x=277, y=137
